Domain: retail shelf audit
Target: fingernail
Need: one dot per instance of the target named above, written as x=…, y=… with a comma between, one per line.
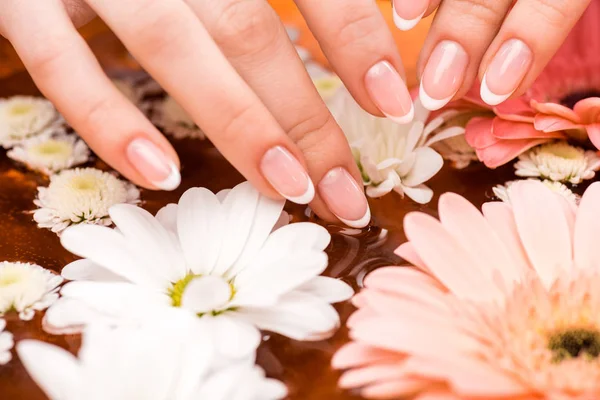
x=389, y=92
x=505, y=72
x=408, y=13
x=152, y=163
x=443, y=75
x=345, y=198
x=285, y=173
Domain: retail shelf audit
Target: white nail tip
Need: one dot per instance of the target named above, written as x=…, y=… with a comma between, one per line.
x=405, y=119
x=490, y=97
x=360, y=223
x=306, y=198
x=172, y=181
x=430, y=103
x=406, y=24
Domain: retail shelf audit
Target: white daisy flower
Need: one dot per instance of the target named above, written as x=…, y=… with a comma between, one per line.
x=170, y=116
x=391, y=156
x=215, y=256
x=558, y=161
x=26, y=288
x=6, y=343
x=502, y=191
x=158, y=361
x=51, y=154
x=23, y=117
x=81, y=195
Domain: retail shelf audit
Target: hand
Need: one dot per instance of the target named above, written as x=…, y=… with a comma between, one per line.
x=506, y=43
x=233, y=68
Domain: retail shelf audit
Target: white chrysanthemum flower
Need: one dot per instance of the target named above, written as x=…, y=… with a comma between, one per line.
x=6, y=343
x=216, y=257
x=23, y=117
x=81, y=195
x=502, y=192
x=170, y=116
x=51, y=154
x=391, y=156
x=558, y=161
x=26, y=288
x=171, y=360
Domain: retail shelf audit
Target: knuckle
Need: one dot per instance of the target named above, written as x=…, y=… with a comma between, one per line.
x=358, y=26
x=556, y=12
x=46, y=56
x=487, y=11
x=96, y=112
x=245, y=116
x=313, y=131
x=246, y=27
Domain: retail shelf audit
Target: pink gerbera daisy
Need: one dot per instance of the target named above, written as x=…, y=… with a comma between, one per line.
x=563, y=103
x=504, y=304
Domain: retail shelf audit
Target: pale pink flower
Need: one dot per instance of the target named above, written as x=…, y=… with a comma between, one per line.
x=499, y=305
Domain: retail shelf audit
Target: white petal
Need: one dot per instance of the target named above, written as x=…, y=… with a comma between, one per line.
x=151, y=242
x=200, y=228
x=205, y=294
x=427, y=164
x=86, y=270
x=420, y=194
x=331, y=290
x=167, y=217
x=55, y=370
x=108, y=248
x=381, y=189
x=233, y=338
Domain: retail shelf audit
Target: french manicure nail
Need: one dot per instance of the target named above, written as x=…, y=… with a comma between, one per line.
x=443, y=75
x=505, y=72
x=153, y=164
x=389, y=92
x=285, y=173
x=408, y=13
x=345, y=198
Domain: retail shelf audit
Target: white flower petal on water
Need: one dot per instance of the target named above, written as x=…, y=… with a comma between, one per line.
x=6, y=343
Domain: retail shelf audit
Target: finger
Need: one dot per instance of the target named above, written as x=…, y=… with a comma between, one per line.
x=79, y=12
x=255, y=42
x=530, y=36
x=458, y=39
x=174, y=47
x=408, y=13
x=65, y=70
x=360, y=47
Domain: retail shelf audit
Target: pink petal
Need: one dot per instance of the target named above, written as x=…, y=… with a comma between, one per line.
x=387, y=278
x=502, y=220
x=588, y=110
x=505, y=151
x=510, y=130
x=472, y=231
x=515, y=110
x=431, y=301
x=552, y=123
x=395, y=389
x=371, y=374
x=473, y=97
x=587, y=229
x=593, y=132
x=359, y=317
x=438, y=395
x=407, y=252
x=556, y=110
x=543, y=228
x=446, y=258
x=355, y=354
x=478, y=133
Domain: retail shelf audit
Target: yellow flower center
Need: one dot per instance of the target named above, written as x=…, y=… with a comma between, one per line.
x=573, y=343
x=20, y=109
x=52, y=148
x=564, y=150
x=176, y=292
x=84, y=182
x=10, y=277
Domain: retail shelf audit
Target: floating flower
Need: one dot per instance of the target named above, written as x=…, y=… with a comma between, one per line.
x=558, y=161
x=25, y=288
x=156, y=361
x=501, y=191
x=499, y=305
x=446, y=135
x=214, y=256
x=23, y=117
x=390, y=156
x=6, y=343
x=81, y=195
x=51, y=154
x=170, y=116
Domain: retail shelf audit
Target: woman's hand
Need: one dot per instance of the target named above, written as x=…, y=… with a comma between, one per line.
x=506, y=43
x=233, y=68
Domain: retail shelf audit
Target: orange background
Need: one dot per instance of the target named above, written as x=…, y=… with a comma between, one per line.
x=409, y=43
